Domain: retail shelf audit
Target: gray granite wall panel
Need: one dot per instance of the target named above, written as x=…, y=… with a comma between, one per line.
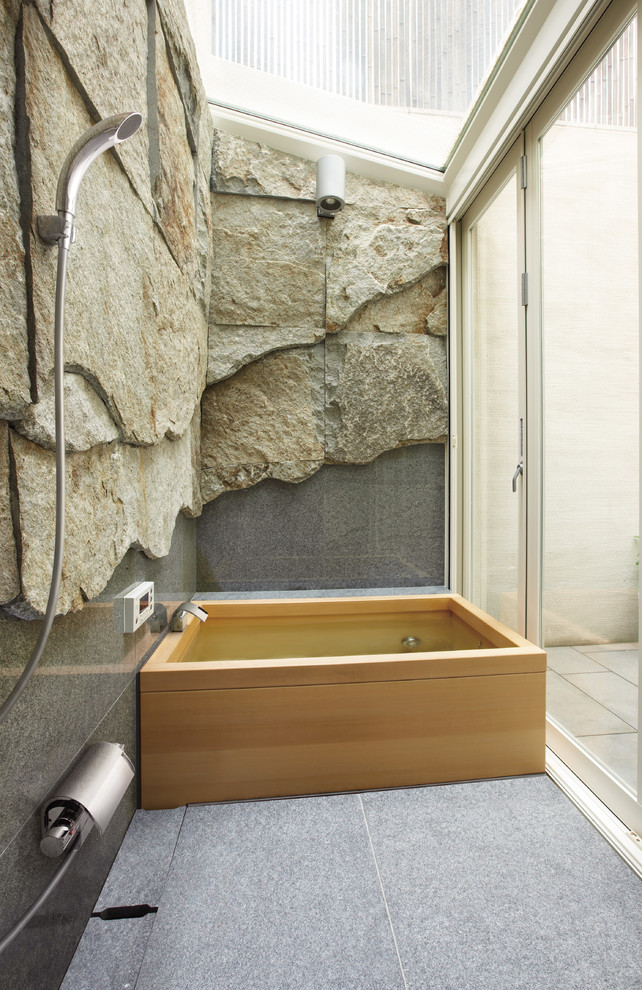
x=348, y=526
x=83, y=692
x=39, y=956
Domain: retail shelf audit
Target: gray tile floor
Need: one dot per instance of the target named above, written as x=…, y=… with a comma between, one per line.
x=490, y=885
x=592, y=693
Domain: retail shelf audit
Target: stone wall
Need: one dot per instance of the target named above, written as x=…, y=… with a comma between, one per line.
x=327, y=338
x=135, y=353
x=138, y=290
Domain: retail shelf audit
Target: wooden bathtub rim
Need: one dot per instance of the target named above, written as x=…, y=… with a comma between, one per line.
x=201, y=676
x=512, y=654
x=269, y=607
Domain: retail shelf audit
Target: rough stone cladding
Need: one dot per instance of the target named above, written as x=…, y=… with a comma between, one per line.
x=138, y=290
x=202, y=288
x=327, y=338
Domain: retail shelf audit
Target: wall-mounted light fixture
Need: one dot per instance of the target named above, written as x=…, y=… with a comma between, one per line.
x=331, y=185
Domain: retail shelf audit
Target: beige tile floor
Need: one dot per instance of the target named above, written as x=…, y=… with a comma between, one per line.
x=592, y=692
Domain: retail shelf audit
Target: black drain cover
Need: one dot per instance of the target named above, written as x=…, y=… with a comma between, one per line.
x=125, y=911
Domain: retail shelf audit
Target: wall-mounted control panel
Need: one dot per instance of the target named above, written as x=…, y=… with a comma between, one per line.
x=138, y=605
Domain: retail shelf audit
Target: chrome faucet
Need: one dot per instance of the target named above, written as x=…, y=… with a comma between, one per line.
x=177, y=621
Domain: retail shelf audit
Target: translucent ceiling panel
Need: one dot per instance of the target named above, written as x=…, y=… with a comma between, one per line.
x=401, y=56
x=408, y=54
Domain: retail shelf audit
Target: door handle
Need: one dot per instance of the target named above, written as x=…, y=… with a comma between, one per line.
x=518, y=470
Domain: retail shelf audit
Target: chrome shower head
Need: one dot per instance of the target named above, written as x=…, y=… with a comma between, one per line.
x=103, y=135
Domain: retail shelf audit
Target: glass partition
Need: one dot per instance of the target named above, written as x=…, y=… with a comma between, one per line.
x=495, y=441
x=590, y=408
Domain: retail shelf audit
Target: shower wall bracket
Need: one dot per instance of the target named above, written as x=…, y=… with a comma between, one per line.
x=52, y=229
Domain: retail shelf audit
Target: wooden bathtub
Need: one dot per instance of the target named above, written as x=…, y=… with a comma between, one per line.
x=229, y=729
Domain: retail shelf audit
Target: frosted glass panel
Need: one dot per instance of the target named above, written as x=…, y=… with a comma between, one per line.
x=495, y=407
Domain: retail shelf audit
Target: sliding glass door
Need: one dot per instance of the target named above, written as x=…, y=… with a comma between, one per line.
x=549, y=405
x=585, y=160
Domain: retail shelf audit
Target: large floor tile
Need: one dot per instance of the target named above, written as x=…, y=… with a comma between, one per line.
x=618, y=753
x=503, y=885
x=109, y=955
x=140, y=869
x=605, y=647
x=274, y=894
x=612, y=691
x=622, y=662
x=576, y=712
x=568, y=660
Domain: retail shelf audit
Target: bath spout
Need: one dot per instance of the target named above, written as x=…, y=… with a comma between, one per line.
x=176, y=623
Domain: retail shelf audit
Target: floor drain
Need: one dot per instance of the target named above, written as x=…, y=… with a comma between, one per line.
x=125, y=911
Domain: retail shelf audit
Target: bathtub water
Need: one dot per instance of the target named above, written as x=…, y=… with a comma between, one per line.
x=283, y=637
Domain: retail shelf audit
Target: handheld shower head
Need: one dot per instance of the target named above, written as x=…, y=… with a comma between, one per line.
x=60, y=230
x=103, y=135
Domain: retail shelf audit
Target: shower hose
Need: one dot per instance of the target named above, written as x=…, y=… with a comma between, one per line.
x=59, y=541
x=25, y=677
x=41, y=898
x=105, y=134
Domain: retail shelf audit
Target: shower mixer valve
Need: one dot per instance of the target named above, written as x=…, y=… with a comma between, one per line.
x=88, y=796
x=62, y=822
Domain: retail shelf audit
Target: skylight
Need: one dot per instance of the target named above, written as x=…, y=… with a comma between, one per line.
x=397, y=77
x=426, y=55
